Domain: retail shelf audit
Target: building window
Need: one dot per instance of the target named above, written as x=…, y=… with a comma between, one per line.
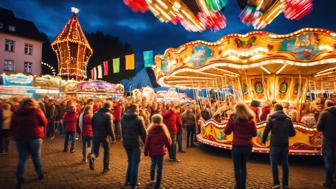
x=1, y=25
x=28, y=49
x=9, y=66
x=9, y=45
x=28, y=67
x=11, y=28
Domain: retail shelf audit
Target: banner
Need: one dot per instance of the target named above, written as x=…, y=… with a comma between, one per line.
x=92, y=74
x=105, y=64
x=148, y=58
x=130, y=63
x=116, y=65
x=100, y=72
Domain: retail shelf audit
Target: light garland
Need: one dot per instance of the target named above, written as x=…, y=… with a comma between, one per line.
x=53, y=70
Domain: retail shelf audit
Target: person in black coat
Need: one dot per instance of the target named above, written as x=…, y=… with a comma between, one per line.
x=326, y=125
x=102, y=123
x=282, y=128
x=132, y=129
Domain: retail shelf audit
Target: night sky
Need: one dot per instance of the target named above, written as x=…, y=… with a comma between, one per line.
x=144, y=31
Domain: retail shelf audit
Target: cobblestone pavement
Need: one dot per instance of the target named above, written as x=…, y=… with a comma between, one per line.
x=201, y=167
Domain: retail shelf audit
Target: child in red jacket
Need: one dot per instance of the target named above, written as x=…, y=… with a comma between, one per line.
x=157, y=142
x=87, y=130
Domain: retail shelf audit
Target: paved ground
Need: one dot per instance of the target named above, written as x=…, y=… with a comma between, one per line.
x=201, y=167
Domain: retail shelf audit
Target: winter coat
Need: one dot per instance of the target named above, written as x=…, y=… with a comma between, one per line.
x=281, y=127
x=170, y=119
x=102, y=123
x=132, y=128
x=28, y=123
x=87, y=126
x=117, y=112
x=179, y=124
x=264, y=113
x=188, y=119
x=256, y=112
x=327, y=124
x=205, y=115
x=157, y=141
x=6, y=119
x=243, y=131
x=70, y=121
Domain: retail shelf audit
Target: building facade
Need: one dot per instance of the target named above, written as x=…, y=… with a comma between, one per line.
x=20, y=45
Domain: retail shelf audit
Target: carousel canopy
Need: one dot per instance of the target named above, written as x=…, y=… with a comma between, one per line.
x=308, y=52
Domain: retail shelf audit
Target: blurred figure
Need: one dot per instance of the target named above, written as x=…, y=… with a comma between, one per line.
x=189, y=122
x=255, y=108
x=87, y=130
x=281, y=127
x=326, y=125
x=102, y=126
x=266, y=110
x=170, y=119
x=70, y=123
x=132, y=129
x=243, y=127
x=179, y=126
x=28, y=125
x=51, y=116
x=157, y=142
x=117, y=111
x=6, y=115
x=205, y=113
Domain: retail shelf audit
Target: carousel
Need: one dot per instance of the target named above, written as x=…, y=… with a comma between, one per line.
x=258, y=66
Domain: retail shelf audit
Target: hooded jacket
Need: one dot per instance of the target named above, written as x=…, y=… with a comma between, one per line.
x=102, y=124
x=281, y=127
x=28, y=123
x=157, y=141
x=87, y=126
x=132, y=129
x=117, y=112
x=327, y=124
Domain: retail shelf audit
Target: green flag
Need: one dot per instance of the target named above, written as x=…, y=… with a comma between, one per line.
x=148, y=58
x=116, y=65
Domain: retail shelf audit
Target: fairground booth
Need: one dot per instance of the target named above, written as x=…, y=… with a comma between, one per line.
x=259, y=66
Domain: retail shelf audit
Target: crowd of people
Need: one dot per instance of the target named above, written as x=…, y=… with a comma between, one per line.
x=158, y=127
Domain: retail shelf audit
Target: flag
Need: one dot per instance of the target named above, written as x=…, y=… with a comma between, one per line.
x=116, y=65
x=94, y=73
x=105, y=64
x=129, y=62
x=100, y=72
x=148, y=58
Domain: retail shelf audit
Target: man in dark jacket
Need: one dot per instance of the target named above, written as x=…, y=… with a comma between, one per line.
x=326, y=124
x=102, y=123
x=282, y=128
x=132, y=128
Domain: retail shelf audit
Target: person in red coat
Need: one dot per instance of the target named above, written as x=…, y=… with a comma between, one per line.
x=179, y=126
x=243, y=127
x=28, y=125
x=70, y=123
x=117, y=111
x=170, y=119
x=87, y=130
x=156, y=144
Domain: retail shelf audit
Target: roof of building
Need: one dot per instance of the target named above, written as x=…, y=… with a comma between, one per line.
x=22, y=27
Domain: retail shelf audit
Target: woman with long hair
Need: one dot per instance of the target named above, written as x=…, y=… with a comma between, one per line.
x=28, y=126
x=157, y=142
x=242, y=125
x=87, y=130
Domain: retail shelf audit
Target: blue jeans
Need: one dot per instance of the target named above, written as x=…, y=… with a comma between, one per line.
x=279, y=154
x=329, y=155
x=172, y=147
x=191, y=130
x=240, y=154
x=86, y=142
x=157, y=161
x=29, y=147
x=95, y=151
x=69, y=136
x=133, y=157
x=179, y=141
